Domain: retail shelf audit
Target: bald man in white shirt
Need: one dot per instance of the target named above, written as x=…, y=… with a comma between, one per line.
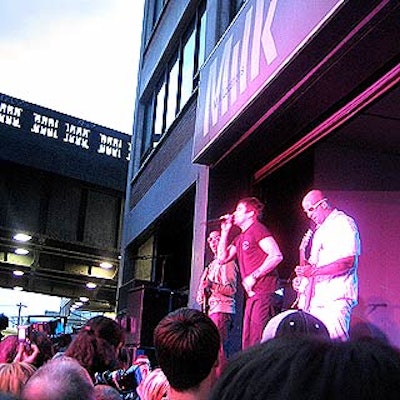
x=332, y=265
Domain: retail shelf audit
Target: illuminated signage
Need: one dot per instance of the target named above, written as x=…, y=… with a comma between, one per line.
x=45, y=126
x=10, y=115
x=110, y=146
x=77, y=135
x=265, y=36
x=40, y=138
x=80, y=134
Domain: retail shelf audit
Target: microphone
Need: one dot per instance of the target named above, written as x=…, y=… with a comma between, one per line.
x=220, y=219
x=225, y=217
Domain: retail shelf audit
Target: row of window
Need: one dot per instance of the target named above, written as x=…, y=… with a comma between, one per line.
x=176, y=83
x=179, y=77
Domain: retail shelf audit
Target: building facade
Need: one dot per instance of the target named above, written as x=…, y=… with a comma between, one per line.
x=267, y=98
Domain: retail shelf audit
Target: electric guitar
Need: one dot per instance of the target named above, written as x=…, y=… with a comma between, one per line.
x=205, y=307
x=304, y=291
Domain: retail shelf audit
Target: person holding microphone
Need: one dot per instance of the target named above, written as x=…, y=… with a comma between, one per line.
x=258, y=255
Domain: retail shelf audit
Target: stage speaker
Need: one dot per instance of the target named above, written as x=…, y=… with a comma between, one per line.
x=145, y=309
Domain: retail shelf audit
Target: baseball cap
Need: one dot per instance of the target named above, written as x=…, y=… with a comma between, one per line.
x=294, y=323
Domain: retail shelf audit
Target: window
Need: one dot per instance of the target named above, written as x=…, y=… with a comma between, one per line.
x=202, y=39
x=159, y=112
x=187, y=68
x=235, y=7
x=177, y=83
x=172, y=100
x=158, y=6
x=147, y=138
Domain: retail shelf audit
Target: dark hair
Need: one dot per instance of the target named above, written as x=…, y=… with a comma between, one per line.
x=106, y=392
x=187, y=344
x=61, y=342
x=253, y=204
x=9, y=348
x=95, y=346
x=107, y=329
x=3, y=322
x=306, y=368
x=45, y=345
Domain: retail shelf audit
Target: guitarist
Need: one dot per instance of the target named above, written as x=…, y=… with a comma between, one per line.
x=332, y=264
x=217, y=289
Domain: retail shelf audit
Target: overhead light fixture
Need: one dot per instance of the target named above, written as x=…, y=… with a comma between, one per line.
x=21, y=252
x=91, y=285
x=22, y=237
x=18, y=272
x=84, y=299
x=18, y=288
x=79, y=303
x=106, y=265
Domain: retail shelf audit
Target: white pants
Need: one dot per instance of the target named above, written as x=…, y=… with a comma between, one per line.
x=336, y=317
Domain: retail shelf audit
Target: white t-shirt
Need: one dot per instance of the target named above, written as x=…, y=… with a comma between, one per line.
x=337, y=237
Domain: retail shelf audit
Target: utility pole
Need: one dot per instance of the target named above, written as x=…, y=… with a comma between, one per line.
x=20, y=305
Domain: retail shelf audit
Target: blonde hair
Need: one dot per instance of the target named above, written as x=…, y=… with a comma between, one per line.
x=154, y=387
x=13, y=376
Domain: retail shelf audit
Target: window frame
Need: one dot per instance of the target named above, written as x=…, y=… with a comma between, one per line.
x=150, y=138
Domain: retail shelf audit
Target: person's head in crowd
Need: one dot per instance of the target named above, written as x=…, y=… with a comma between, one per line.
x=142, y=366
x=124, y=357
x=3, y=324
x=62, y=342
x=62, y=379
x=97, y=345
x=45, y=345
x=8, y=348
x=154, y=387
x=13, y=376
x=187, y=344
x=304, y=368
x=106, y=392
x=295, y=323
x=12, y=350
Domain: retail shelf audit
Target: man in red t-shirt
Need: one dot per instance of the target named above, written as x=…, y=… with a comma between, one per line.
x=258, y=255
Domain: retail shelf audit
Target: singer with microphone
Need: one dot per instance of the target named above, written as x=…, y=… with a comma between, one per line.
x=216, y=294
x=258, y=255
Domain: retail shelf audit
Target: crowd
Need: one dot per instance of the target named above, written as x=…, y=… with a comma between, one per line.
x=95, y=365
x=296, y=358
x=293, y=354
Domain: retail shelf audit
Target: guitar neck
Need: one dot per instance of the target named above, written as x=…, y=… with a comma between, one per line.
x=303, y=245
x=302, y=257
x=206, y=303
